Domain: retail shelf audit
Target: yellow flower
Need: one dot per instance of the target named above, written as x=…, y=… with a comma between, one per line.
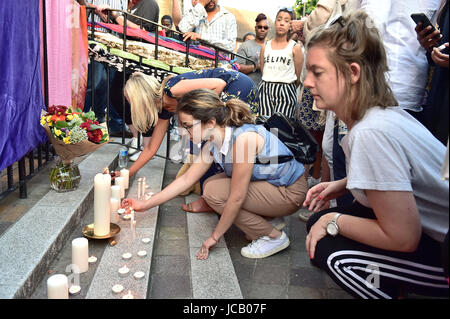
x=50, y=123
x=43, y=121
x=57, y=132
x=66, y=140
x=49, y=118
x=70, y=117
x=75, y=116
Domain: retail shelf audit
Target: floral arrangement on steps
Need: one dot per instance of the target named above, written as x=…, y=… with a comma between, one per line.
x=72, y=133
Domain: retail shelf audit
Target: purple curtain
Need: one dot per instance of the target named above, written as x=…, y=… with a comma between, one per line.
x=21, y=99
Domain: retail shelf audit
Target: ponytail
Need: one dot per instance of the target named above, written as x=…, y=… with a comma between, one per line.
x=239, y=113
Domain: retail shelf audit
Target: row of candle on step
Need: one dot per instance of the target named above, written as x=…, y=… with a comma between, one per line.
x=58, y=285
x=107, y=199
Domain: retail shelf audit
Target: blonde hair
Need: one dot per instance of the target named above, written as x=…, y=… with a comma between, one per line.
x=355, y=39
x=142, y=90
x=205, y=104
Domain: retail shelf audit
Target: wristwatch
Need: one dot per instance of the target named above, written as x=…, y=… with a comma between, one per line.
x=332, y=227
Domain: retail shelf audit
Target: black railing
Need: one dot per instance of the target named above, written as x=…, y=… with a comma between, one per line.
x=91, y=14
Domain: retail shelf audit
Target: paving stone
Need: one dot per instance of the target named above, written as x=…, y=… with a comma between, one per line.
x=214, y=278
x=271, y=274
x=307, y=277
x=171, y=265
x=299, y=292
x=266, y=291
x=170, y=286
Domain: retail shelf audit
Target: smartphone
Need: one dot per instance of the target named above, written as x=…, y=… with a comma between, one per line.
x=421, y=17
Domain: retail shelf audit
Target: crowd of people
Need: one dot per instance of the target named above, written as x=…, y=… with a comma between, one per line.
x=377, y=104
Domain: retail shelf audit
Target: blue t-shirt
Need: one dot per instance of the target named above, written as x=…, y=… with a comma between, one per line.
x=279, y=174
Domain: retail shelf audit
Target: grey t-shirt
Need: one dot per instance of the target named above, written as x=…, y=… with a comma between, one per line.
x=250, y=49
x=388, y=150
x=147, y=9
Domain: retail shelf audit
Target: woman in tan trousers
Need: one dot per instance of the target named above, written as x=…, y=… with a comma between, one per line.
x=247, y=193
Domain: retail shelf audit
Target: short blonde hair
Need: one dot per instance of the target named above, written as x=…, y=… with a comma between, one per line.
x=142, y=90
x=355, y=39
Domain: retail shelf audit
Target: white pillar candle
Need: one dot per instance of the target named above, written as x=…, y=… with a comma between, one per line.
x=58, y=287
x=107, y=179
x=120, y=182
x=102, y=211
x=80, y=255
x=126, y=177
x=116, y=192
x=115, y=205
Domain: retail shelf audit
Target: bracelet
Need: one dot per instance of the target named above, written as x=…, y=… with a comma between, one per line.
x=212, y=236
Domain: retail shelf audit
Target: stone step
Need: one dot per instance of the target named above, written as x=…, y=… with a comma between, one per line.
x=215, y=277
x=107, y=274
x=31, y=244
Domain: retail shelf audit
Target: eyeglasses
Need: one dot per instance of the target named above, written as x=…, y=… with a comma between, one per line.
x=189, y=127
x=262, y=27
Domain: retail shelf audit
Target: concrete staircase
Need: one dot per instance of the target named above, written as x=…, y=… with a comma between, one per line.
x=39, y=244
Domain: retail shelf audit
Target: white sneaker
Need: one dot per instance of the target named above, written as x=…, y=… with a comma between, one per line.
x=278, y=223
x=135, y=156
x=265, y=246
x=133, y=146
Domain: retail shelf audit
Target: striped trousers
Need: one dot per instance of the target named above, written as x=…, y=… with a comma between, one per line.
x=371, y=273
x=277, y=97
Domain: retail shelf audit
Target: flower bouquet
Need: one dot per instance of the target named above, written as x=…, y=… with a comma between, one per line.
x=73, y=134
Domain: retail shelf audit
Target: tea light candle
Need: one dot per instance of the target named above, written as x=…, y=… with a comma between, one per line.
x=117, y=289
x=120, y=181
x=129, y=295
x=116, y=192
x=142, y=253
x=102, y=194
x=127, y=256
x=74, y=290
x=126, y=216
x=146, y=240
x=80, y=254
x=58, y=287
x=120, y=211
x=92, y=259
x=139, y=275
x=126, y=177
x=123, y=272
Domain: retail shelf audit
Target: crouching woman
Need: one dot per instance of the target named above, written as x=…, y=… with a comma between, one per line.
x=245, y=194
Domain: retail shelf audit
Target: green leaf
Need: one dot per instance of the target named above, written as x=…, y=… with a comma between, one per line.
x=61, y=124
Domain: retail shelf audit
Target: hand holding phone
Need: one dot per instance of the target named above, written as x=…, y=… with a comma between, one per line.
x=427, y=34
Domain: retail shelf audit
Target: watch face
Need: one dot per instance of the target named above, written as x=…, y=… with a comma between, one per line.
x=332, y=229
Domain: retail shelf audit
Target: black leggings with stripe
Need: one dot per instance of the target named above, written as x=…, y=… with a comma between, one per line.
x=372, y=273
x=277, y=97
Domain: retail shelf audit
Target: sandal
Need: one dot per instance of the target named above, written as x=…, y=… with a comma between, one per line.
x=190, y=209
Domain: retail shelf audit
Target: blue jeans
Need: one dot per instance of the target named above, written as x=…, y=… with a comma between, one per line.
x=100, y=98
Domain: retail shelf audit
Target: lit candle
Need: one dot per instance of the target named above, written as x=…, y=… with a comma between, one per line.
x=142, y=253
x=92, y=259
x=139, y=188
x=107, y=180
x=146, y=240
x=127, y=256
x=101, y=205
x=115, y=205
x=123, y=272
x=139, y=275
x=126, y=177
x=116, y=192
x=120, y=181
x=117, y=289
x=74, y=290
x=58, y=287
x=80, y=255
x=129, y=295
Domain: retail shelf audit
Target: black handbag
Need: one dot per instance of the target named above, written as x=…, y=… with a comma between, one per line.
x=292, y=133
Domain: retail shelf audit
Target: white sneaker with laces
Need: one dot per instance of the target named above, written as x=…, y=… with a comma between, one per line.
x=133, y=146
x=265, y=246
x=135, y=156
